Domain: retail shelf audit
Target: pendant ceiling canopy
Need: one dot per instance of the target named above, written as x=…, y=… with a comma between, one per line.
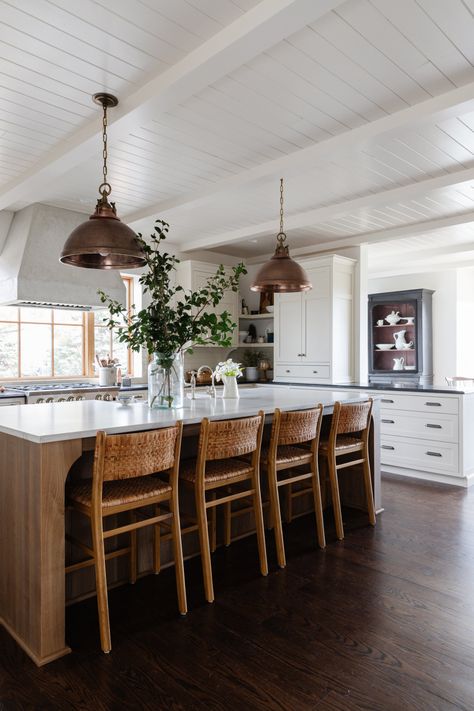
x=103, y=241
x=281, y=274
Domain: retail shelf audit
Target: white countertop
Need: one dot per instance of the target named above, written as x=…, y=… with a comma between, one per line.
x=74, y=420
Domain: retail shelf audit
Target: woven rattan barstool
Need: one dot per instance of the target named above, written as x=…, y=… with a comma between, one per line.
x=120, y=483
x=294, y=443
x=350, y=427
x=218, y=465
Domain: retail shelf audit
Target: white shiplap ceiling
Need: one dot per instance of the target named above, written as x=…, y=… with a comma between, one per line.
x=366, y=107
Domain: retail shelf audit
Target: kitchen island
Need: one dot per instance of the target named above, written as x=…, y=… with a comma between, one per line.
x=38, y=446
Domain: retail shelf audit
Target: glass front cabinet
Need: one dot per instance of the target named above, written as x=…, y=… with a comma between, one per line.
x=400, y=337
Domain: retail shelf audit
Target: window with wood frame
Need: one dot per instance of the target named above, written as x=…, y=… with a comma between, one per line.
x=40, y=343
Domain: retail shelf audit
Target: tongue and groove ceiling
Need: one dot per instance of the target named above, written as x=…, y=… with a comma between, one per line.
x=365, y=107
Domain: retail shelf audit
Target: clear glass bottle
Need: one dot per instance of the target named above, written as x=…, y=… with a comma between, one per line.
x=166, y=381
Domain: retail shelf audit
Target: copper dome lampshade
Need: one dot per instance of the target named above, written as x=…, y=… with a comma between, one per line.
x=103, y=241
x=281, y=274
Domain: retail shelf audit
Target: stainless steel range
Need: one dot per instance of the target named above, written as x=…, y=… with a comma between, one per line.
x=65, y=392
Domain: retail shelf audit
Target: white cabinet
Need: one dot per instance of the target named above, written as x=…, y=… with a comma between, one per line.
x=314, y=329
x=427, y=435
x=192, y=274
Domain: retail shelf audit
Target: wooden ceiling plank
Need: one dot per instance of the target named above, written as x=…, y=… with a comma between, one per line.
x=255, y=31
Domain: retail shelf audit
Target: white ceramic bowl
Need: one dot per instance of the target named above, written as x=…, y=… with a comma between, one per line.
x=270, y=309
x=410, y=367
x=384, y=346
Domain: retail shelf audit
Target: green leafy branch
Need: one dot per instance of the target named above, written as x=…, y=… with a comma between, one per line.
x=176, y=319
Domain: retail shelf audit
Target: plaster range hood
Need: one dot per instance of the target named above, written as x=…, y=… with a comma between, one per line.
x=30, y=271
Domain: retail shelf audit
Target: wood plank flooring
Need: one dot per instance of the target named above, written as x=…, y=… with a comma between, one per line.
x=383, y=621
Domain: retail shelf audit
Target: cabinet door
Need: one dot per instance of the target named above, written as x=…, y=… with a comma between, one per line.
x=288, y=328
x=317, y=318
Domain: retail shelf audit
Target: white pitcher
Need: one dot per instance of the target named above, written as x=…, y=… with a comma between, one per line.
x=398, y=363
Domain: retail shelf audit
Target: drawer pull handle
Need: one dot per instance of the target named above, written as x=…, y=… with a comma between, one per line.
x=315, y=371
x=391, y=401
x=434, y=454
x=387, y=446
x=434, y=427
x=433, y=404
x=388, y=422
x=287, y=371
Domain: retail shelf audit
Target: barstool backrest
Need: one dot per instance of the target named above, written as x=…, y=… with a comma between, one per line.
x=136, y=454
x=351, y=417
x=298, y=427
x=223, y=439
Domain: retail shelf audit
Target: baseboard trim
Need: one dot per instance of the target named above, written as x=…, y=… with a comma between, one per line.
x=452, y=480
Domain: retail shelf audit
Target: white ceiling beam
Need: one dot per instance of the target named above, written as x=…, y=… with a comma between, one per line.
x=320, y=215
x=391, y=233
x=263, y=26
x=452, y=103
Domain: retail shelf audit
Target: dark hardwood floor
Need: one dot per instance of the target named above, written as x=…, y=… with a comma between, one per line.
x=383, y=621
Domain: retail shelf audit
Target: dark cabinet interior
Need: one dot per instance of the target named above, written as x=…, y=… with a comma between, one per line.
x=400, y=336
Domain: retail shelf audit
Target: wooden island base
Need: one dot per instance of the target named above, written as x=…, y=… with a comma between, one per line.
x=32, y=547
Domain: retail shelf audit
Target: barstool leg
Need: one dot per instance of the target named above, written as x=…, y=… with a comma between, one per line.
x=318, y=505
x=204, y=542
x=101, y=584
x=275, y=513
x=213, y=523
x=178, y=555
x=336, y=497
x=227, y=521
x=157, y=544
x=133, y=551
x=259, y=525
x=368, y=489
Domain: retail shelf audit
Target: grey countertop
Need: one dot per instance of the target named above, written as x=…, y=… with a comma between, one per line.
x=402, y=387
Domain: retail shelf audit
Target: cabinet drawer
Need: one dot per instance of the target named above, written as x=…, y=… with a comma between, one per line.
x=425, y=456
x=420, y=425
x=303, y=371
x=419, y=403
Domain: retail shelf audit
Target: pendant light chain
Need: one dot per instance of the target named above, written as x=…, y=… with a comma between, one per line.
x=281, y=237
x=105, y=189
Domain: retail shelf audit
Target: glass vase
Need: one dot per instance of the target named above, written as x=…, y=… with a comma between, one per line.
x=231, y=390
x=166, y=381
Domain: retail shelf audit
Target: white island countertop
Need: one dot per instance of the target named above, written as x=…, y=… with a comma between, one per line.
x=53, y=422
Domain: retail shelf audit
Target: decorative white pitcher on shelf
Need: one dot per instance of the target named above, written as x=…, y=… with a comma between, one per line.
x=400, y=342
x=398, y=363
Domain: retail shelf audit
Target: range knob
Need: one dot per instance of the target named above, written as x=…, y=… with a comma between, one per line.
x=98, y=397
x=40, y=399
x=49, y=399
x=62, y=399
x=70, y=398
x=79, y=397
x=107, y=396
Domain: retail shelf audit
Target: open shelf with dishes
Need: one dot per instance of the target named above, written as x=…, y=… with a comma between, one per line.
x=400, y=336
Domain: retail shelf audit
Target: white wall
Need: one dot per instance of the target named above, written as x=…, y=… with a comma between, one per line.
x=445, y=313
x=465, y=311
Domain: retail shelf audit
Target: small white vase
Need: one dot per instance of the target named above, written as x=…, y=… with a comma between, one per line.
x=231, y=390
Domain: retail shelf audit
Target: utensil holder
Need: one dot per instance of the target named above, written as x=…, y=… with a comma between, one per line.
x=107, y=375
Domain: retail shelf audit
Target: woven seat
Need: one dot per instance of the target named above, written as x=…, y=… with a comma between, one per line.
x=287, y=454
x=217, y=470
x=117, y=493
x=122, y=483
x=293, y=443
x=227, y=461
x=350, y=427
x=342, y=444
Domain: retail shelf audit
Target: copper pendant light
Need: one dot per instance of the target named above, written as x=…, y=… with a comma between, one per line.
x=281, y=274
x=103, y=241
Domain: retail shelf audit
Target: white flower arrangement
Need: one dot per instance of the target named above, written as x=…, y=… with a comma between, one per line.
x=227, y=367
